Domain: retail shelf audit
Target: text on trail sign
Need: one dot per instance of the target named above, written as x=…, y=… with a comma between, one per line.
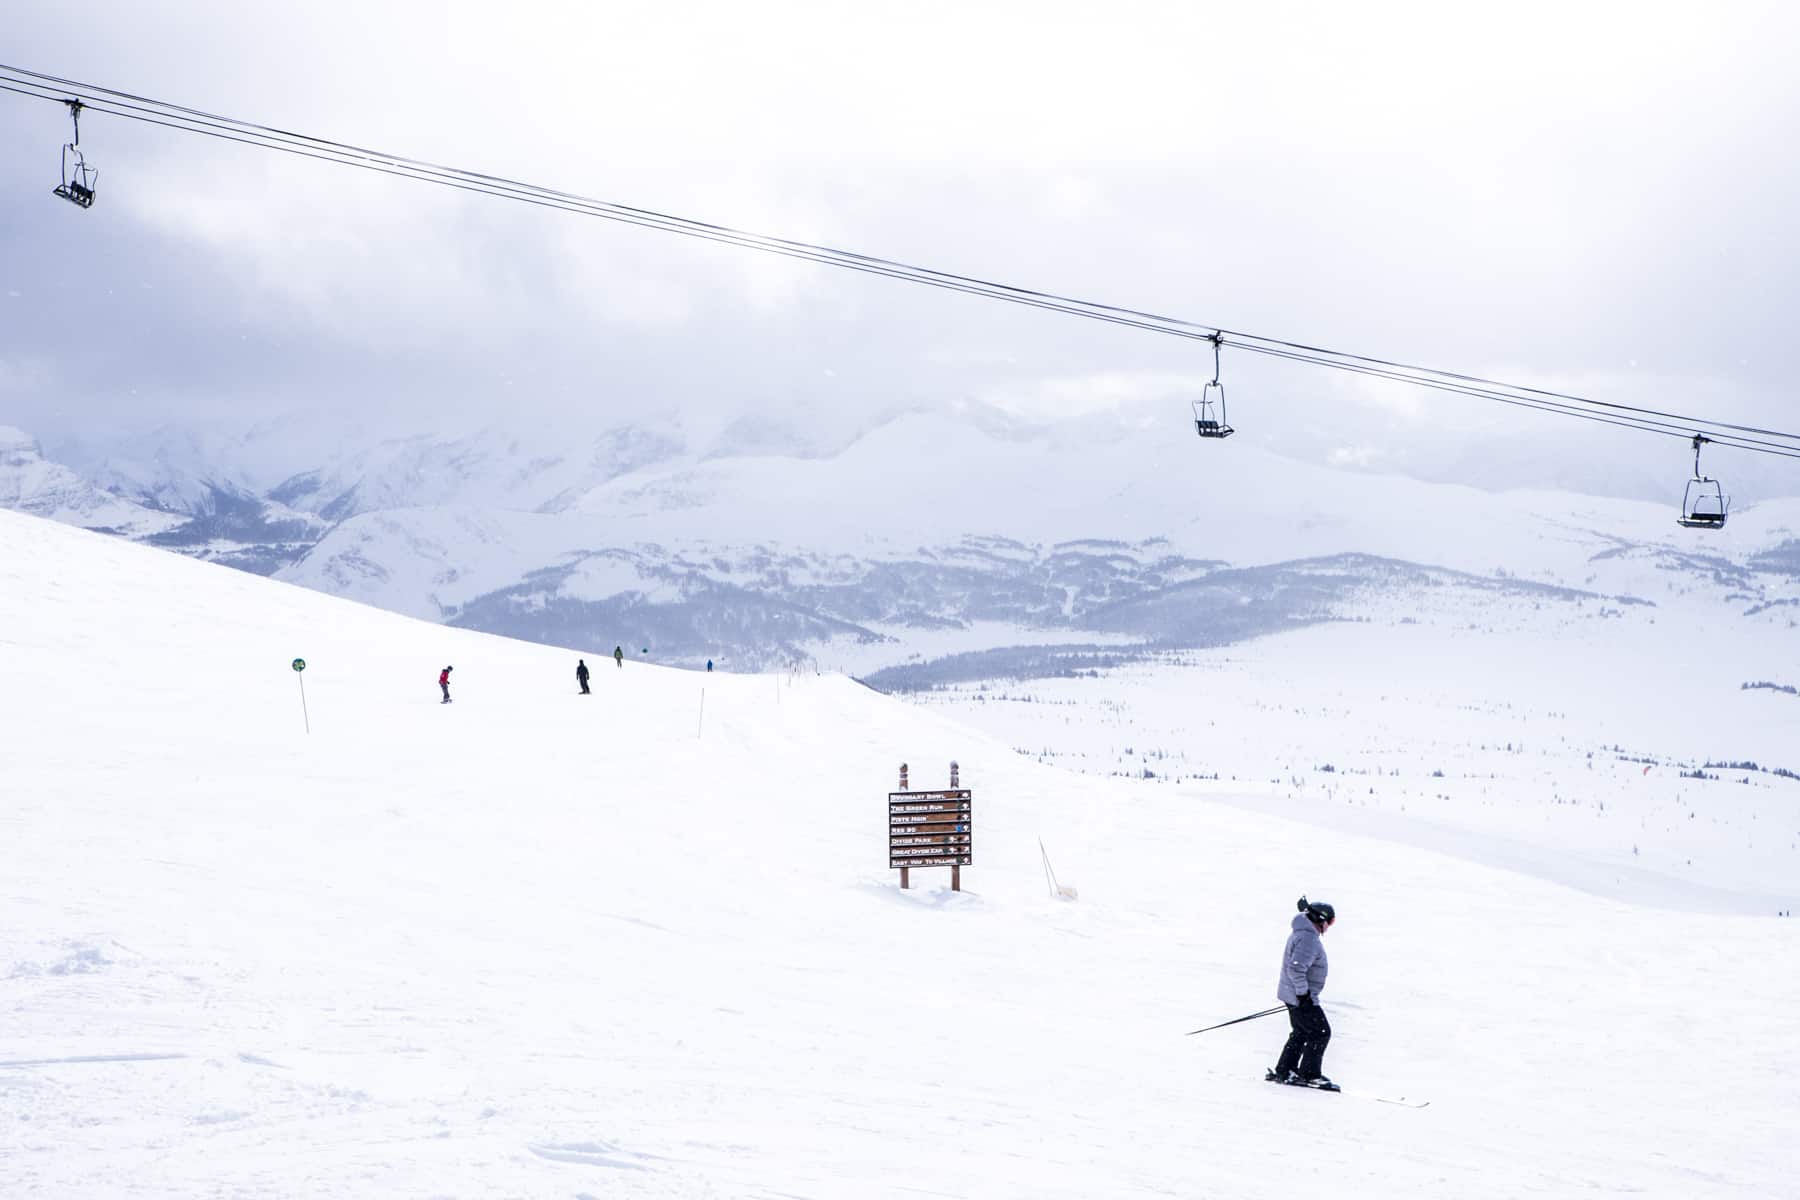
x=931, y=829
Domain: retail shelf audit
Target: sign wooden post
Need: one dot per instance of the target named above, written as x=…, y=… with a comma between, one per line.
x=905, y=872
x=931, y=829
x=955, y=868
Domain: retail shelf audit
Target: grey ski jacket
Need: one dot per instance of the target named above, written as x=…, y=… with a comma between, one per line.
x=1303, y=965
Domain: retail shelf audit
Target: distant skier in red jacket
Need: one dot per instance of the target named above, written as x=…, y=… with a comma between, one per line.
x=444, y=682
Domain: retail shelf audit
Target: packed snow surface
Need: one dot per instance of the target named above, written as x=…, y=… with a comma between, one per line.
x=645, y=944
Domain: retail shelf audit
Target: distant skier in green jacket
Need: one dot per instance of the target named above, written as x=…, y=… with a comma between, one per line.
x=619, y=655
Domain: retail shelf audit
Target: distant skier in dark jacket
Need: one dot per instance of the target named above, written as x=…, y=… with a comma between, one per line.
x=444, y=683
x=581, y=675
x=1303, y=970
x=619, y=655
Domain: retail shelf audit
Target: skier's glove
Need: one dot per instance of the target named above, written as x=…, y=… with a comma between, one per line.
x=1306, y=1000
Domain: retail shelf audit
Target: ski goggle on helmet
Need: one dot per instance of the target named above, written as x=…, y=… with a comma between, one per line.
x=1317, y=910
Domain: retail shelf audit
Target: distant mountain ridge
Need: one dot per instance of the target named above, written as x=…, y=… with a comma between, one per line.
x=932, y=534
x=31, y=483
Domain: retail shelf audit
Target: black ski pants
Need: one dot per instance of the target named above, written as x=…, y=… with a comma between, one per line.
x=1305, y=1049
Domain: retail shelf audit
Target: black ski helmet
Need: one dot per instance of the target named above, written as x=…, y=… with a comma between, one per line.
x=1317, y=910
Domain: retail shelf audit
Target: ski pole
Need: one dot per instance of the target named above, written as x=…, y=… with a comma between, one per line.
x=1222, y=1024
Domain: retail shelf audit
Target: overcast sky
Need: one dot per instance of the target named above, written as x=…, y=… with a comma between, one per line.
x=1598, y=198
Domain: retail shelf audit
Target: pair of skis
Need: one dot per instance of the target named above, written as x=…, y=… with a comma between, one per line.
x=1401, y=1101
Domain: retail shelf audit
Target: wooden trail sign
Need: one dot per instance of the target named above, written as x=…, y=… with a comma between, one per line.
x=931, y=829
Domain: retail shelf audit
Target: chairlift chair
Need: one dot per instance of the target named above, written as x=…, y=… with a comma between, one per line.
x=1704, y=505
x=1209, y=409
x=78, y=182
x=1209, y=412
x=78, y=178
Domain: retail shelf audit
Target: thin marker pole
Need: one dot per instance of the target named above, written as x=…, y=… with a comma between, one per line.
x=304, y=715
x=702, y=722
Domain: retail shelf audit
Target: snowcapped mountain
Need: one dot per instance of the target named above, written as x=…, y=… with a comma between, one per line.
x=191, y=491
x=30, y=483
x=489, y=470
x=929, y=525
x=937, y=531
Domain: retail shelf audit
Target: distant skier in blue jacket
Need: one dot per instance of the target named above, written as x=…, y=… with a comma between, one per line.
x=1303, y=970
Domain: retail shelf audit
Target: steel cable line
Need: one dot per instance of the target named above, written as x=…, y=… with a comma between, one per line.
x=547, y=198
x=646, y=218
x=1646, y=425
x=910, y=271
x=134, y=107
x=414, y=168
x=1340, y=358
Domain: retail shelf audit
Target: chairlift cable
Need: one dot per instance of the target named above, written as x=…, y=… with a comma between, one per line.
x=1340, y=358
x=1206, y=332
x=1646, y=424
x=545, y=198
x=156, y=112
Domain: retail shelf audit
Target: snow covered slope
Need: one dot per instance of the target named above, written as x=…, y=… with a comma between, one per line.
x=645, y=944
x=1596, y=751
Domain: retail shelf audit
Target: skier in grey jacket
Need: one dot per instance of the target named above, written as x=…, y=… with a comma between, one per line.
x=1303, y=970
